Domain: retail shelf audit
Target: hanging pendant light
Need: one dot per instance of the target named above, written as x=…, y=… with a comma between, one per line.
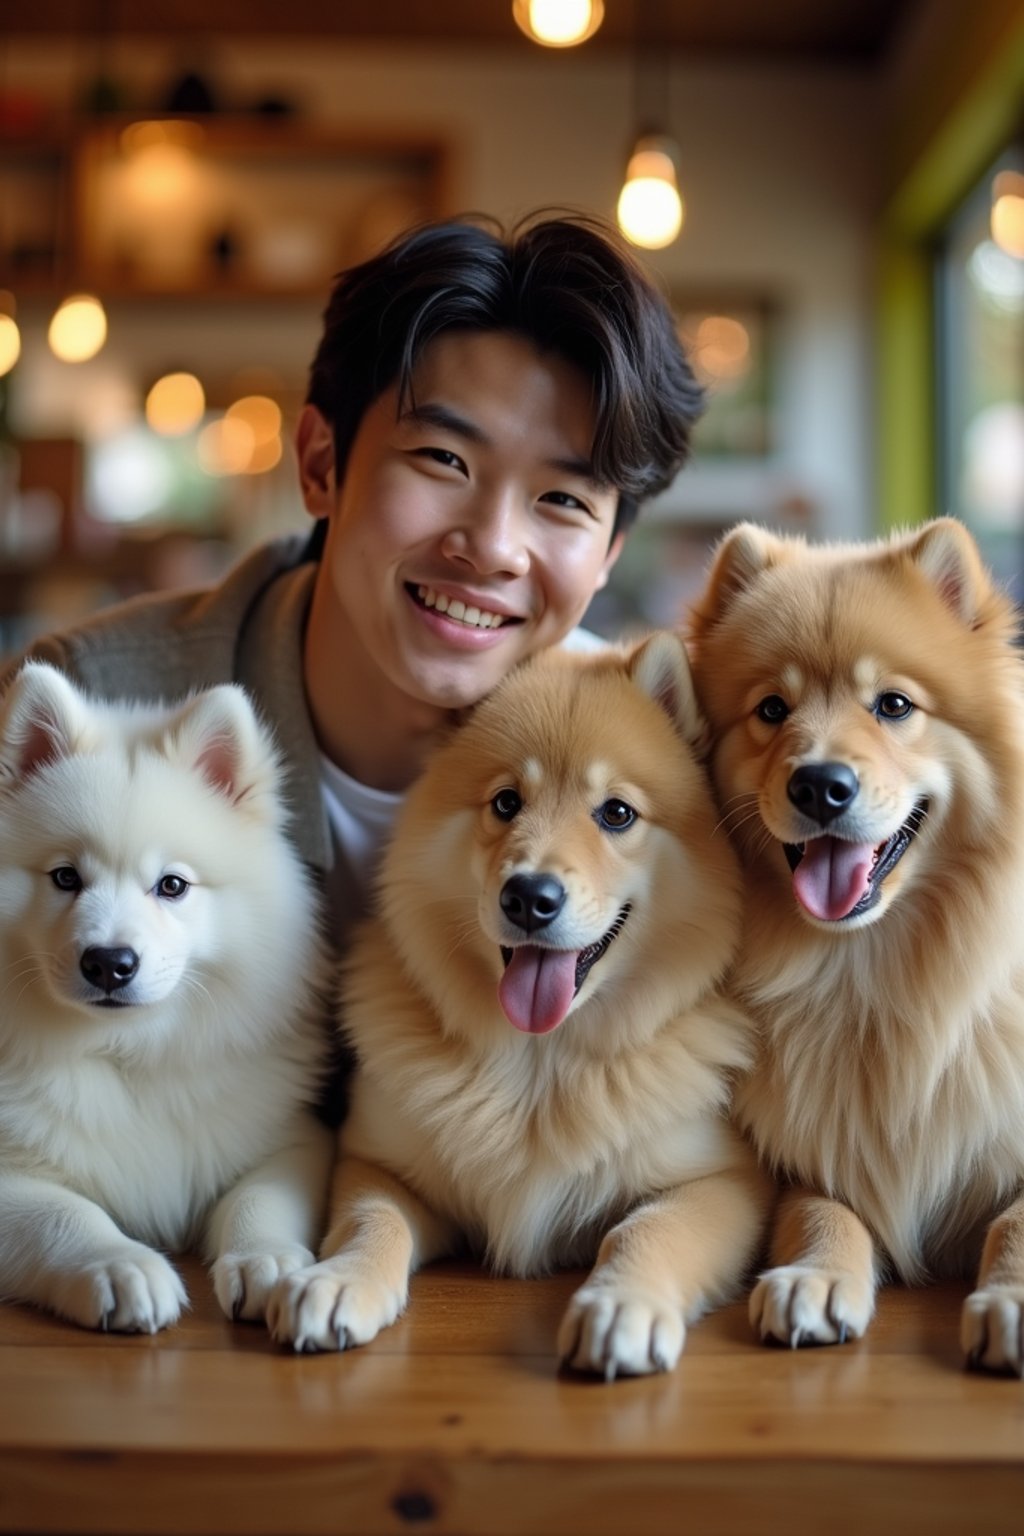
x=650, y=209
x=558, y=23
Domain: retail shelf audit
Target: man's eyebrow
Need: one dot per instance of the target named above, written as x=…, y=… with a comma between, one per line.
x=580, y=469
x=446, y=420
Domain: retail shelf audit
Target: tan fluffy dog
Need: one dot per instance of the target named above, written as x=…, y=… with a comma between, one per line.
x=866, y=708
x=543, y=1063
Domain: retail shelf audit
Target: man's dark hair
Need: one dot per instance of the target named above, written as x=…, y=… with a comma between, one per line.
x=565, y=283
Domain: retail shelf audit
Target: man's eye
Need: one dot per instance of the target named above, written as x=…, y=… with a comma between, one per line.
x=564, y=499
x=772, y=710
x=66, y=878
x=443, y=456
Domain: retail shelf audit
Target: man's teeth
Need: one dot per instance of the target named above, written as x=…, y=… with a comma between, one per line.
x=477, y=618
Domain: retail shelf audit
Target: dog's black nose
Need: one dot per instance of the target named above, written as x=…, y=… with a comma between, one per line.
x=823, y=791
x=532, y=901
x=108, y=969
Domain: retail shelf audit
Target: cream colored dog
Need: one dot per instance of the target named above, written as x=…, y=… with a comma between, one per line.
x=543, y=1059
x=866, y=707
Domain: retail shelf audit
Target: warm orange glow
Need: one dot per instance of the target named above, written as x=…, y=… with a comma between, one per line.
x=78, y=329
x=1008, y=212
x=261, y=414
x=225, y=447
x=10, y=343
x=558, y=23
x=264, y=456
x=721, y=348
x=182, y=132
x=175, y=404
x=650, y=210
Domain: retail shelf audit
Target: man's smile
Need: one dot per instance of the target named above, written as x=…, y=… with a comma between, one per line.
x=463, y=613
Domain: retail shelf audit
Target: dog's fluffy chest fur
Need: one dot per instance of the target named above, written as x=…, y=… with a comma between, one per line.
x=906, y=1106
x=117, y=1130
x=537, y=1144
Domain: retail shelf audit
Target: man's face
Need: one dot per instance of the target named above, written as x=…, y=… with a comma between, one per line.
x=467, y=532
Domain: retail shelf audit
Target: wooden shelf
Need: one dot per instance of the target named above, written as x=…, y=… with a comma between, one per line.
x=232, y=207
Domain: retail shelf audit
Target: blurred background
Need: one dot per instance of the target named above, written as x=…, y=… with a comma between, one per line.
x=831, y=195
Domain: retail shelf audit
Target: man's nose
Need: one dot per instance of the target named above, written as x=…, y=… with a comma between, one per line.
x=490, y=536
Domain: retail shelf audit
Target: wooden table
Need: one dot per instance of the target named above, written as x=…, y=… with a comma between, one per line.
x=457, y=1420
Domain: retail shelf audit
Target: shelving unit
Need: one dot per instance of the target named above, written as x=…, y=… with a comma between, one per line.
x=227, y=207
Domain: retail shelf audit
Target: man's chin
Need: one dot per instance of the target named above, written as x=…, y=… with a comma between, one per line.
x=454, y=688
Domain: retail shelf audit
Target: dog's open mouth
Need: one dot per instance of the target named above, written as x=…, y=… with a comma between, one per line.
x=834, y=880
x=539, y=984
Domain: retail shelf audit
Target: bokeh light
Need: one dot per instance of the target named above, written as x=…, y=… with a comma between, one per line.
x=78, y=329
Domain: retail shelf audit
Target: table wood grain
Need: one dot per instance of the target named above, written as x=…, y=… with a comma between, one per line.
x=458, y=1420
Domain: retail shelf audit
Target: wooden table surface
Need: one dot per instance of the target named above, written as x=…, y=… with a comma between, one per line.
x=457, y=1420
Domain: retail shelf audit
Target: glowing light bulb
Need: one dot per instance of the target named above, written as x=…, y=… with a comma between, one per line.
x=1008, y=212
x=78, y=329
x=558, y=23
x=650, y=210
x=10, y=343
x=175, y=404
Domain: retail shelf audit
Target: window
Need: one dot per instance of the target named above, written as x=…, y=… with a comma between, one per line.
x=980, y=314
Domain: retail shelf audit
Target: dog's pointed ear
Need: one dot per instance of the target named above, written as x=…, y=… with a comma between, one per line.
x=743, y=554
x=43, y=718
x=217, y=733
x=947, y=554
x=661, y=667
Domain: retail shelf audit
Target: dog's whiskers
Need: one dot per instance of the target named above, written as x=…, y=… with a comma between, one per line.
x=460, y=937
x=736, y=811
x=29, y=969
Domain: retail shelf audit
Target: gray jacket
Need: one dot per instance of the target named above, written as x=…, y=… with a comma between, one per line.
x=248, y=630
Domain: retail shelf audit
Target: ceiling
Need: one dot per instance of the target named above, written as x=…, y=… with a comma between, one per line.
x=840, y=31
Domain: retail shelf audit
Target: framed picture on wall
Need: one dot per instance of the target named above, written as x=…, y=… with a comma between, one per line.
x=732, y=344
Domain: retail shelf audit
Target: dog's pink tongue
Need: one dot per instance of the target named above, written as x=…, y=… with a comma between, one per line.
x=832, y=876
x=538, y=987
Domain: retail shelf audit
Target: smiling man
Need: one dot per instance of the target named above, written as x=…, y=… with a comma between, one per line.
x=485, y=415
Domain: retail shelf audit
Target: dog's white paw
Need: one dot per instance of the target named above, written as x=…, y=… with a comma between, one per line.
x=335, y=1304
x=799, y=1304
x=242, y=1282
x=992, y=1328
x=620, y=1330
x=132, y=1290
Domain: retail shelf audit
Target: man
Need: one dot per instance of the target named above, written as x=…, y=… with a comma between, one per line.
x=485, y=414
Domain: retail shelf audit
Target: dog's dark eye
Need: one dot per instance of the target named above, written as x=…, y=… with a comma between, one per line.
x=172, y=887
x=893, y=706
x=615, y=815
x=506, y=804
x=66, y=878
x=772, y=710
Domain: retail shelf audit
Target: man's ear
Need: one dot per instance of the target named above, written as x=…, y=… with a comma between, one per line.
x=614, y=551
x=314, y=449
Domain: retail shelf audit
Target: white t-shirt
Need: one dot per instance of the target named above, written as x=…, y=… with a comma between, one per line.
x=361, y=819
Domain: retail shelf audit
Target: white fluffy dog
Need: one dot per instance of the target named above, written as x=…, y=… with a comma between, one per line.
x=160, y=1038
